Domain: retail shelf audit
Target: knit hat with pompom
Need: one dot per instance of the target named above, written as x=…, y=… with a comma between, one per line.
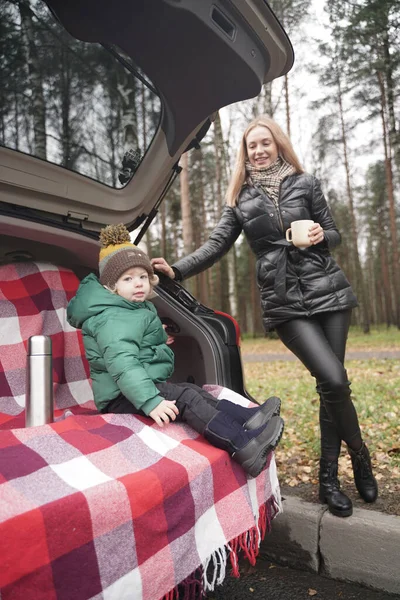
x=118, y=254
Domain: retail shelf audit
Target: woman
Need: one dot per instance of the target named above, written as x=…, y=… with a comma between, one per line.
x=305, y=296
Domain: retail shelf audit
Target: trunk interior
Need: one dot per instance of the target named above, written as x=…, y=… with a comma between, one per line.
x=204, y=344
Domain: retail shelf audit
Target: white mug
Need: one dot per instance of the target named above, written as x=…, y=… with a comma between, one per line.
x=298, y=233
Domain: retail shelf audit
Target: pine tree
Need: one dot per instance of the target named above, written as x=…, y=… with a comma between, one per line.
x=367, y=33
x=331, y=78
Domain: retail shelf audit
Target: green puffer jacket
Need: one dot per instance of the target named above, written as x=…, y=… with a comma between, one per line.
x=124, y=344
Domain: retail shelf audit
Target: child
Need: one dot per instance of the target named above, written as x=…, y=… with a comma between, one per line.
x=130, y=362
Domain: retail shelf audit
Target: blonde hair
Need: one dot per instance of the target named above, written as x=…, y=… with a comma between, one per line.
x=285, y=150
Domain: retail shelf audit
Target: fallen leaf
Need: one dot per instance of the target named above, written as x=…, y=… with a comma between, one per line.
x=312, y=592
x=381, y=456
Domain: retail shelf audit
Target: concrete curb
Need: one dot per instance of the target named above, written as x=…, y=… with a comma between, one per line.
x=363, y=548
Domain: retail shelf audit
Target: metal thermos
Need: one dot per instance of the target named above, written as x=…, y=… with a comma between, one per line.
x=39, y=382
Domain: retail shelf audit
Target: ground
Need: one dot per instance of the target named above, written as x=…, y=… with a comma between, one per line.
x=386, y=503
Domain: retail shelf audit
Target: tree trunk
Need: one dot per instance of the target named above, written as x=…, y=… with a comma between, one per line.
x=385, y=284
x=131, y=151
x=187, y=230
x=37, y=104
x=144, y=124
x=163, y=242
x=371, y=286
x=149, y=240
x=202, y=277
x=257, y=326
x=358, y=270
x=393, y=133
x=233, y=283
x=392, y=209
x=226, y=271
x=66, y=134
x=16, y=121
x=287, y=104
x=126, y=90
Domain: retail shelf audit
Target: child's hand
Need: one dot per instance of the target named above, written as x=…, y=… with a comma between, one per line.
x=170, y=338
x=165, y=412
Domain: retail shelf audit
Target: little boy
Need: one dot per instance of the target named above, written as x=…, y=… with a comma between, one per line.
x=130, y=361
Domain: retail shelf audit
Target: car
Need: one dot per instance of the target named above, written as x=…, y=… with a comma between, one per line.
x=97, y=109
x=98, y=102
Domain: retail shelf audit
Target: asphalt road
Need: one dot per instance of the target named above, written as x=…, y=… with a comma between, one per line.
x=271, y=582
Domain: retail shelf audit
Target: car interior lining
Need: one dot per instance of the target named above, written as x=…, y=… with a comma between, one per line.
x=194, y=362
x=197, y=52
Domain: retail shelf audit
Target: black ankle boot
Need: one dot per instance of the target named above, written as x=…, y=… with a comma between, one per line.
x=329, y=490
x=254, y=416
x=248, y=448
x=363, y=476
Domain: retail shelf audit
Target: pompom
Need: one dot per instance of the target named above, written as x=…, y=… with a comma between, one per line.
x=114, y=234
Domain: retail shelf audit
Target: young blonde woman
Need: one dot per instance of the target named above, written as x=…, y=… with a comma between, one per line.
x=305, y=296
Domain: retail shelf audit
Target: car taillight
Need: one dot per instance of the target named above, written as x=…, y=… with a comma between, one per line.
x=235, y=323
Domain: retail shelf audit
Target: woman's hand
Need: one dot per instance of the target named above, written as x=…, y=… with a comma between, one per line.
x=165, y=412
x=160, y=264
x=316, y=234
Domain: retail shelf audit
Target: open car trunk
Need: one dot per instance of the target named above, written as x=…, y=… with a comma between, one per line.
x=206, y=345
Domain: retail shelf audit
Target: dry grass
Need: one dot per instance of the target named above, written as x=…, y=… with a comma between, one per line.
x=380, y=338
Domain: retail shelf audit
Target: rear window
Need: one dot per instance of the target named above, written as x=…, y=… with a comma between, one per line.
x=74, y=104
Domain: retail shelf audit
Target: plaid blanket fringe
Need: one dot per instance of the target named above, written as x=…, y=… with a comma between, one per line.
x=213, y=572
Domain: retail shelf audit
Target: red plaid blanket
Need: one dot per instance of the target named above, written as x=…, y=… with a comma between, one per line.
x=109, y=506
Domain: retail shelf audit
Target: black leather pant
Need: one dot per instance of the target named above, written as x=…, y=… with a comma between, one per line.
x=320, y=343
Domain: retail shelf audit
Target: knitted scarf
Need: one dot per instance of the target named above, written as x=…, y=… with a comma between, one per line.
x=269, y=179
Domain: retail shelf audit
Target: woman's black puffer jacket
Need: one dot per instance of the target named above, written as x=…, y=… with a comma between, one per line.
x=293, y=283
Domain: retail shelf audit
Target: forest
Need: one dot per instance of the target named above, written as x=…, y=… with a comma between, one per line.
x=355, y=68
x=88, y=108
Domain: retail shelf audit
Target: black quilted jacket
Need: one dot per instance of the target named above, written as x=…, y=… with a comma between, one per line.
x=293, y=283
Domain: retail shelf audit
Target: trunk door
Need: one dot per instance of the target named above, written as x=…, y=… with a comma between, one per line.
x=101, y=99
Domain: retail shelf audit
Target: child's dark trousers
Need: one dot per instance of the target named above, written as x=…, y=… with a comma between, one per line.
x=196, y=406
